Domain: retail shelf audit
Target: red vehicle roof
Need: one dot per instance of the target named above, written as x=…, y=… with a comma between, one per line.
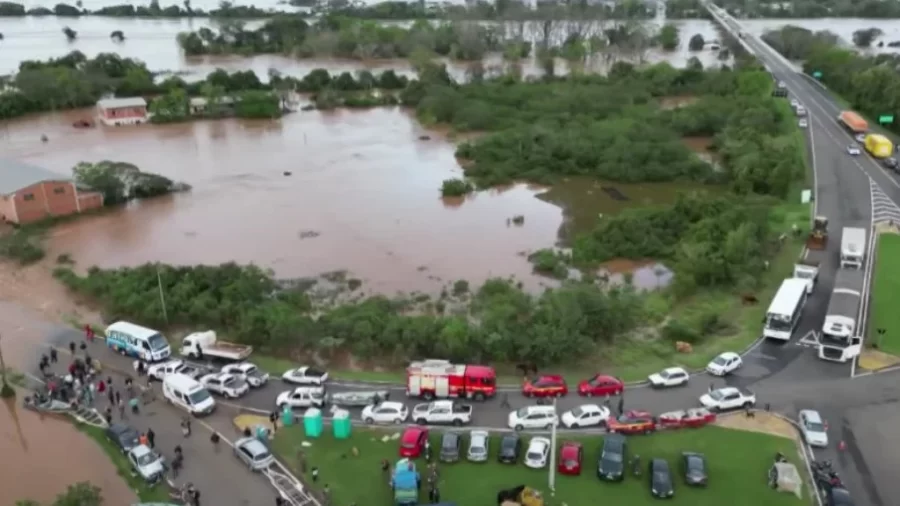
x=411, y=435
x=548, y=377
x=480, y=371
x=569, y=450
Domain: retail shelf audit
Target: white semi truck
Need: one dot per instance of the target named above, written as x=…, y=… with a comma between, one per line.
x=840, y=339
x=853, y=247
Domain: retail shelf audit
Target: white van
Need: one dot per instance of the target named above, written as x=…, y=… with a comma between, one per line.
x=139, y=342
x=188, y=394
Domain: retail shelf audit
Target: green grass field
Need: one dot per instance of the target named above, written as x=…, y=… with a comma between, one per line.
x=738, y=462
x=885, y=302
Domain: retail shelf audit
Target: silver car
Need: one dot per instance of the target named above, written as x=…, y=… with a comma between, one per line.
x=479, y=443
x=815, y=431
x=253, y=453
x=148, y=464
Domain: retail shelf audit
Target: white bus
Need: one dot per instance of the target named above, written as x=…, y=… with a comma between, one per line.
x=786, y=308
x=138, y=342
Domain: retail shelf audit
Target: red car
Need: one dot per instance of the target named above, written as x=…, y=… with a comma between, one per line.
x=694, y=417
x=412, y=442
x=547, y=385
x=601, y=385
x=570, y=457
x=632, y=422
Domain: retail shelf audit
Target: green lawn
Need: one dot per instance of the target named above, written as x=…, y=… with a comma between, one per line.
x=883, y=313
x=738, y=462
x=158, y=494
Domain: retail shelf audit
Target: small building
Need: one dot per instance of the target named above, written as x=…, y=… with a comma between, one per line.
x=29, y=194
x=200, y=105
x=122, y=111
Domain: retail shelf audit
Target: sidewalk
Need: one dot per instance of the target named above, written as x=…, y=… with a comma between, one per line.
x=220, y=477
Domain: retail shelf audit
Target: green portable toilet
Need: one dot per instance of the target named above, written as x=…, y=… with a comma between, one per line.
x=312, y=422
x=341, y=424
x=287, y=416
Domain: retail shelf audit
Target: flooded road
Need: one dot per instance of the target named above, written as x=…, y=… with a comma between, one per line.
x=44, y=455
x=153, y=41
x=363, y=196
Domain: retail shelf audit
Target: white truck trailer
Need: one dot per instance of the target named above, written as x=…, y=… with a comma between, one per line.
x=200, y=345
x=853, y=247
x=840, y=339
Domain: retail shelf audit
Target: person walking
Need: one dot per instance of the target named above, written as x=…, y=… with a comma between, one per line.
x=89, y=333
x=107, y=415
x=72, y=347
x=621, y=405
x=101, y=386
x=186, y=427
x=151, y=438
x=53, y=357
x=142, y=439
x=121, y=406
x=273, y=418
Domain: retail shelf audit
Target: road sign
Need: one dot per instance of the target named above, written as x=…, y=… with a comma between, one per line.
x=817, y=74
x=886, y=119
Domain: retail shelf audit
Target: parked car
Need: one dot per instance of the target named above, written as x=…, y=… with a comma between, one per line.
x=547, y=385
x=586, y=415
x=160, y=371
x=537, y=453
x=451, y=443
x=725, y=363
x=253, y=453
x=694, y=467
x=838, y=496
x=225, y=384
x=814, y=429
x=601, y=385
x=723, y=399
x=661, y=484
x=803, y=123
x=510, y=446
x=253, y=375
x=385, y=412
x=532, y=417
x=123, y=436
x=148, y=464
x=479, y=446
x=891, y=163
x=305, y=376
x=611, y=462
x=853, y=150
x=412, y=442
x=632, y=422
x=671, y=377
x=570, y=456
x=301, y=397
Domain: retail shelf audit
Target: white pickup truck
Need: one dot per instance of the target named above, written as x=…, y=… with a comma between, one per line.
x=808, y=270
x=201, y=345
x=160, y=371
x=442, y=412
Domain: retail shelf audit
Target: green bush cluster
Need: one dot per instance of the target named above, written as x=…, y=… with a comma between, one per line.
x=501, y=323
x=21, y=246
x=455, y=187
x=805, y=9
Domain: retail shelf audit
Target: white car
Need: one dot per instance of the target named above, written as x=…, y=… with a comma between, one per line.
x=671, y=377
x=533, y=417
x=223, y=383
x=305, y=376
x=538, y=450
x=249, y=373
x=586, y=415
x=854, y=150
x=803, y=123
x=725, y=363
x=148, y=464
x=815, y=432
x=794, y=102
x=723, y=399
x=860, y=137
x=160, y=371
x=385, y=412
x=301, y=397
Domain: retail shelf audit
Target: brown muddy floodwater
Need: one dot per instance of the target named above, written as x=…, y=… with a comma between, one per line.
x=44, y=455
x=363, y=196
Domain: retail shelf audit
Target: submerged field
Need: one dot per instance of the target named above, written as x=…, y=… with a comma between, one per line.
x=738, y=462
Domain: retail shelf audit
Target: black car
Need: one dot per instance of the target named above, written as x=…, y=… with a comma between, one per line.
x=123, y=436
x=838, y=496
x=611, y=463
x=450, y=445
x=694, y=466
x=510, y=445
x=661, y=485
x=891, y=163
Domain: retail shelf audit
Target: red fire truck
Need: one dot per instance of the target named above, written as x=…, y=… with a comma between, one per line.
x=431, y=379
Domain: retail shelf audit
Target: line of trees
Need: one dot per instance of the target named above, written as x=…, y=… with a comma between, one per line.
x=804, y=9
x=797, y=43
x=151, y=10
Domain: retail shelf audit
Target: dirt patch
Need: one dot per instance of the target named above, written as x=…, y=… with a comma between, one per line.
x=874, y=360
x=677, y=102
x=766, y=423
x=35, y=288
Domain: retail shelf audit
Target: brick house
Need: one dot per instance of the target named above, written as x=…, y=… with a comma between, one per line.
x=122, y=111
x=29, y=194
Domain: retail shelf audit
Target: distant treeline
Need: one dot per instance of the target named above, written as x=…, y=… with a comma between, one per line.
x=389, y=10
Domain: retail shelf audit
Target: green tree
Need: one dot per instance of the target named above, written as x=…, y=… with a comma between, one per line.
x=864, y=37
x=669, y=37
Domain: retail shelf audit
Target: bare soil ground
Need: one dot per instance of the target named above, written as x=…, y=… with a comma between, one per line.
x=766, y=423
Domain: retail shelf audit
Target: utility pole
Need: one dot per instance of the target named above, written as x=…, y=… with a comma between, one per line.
x=162, y=297
x=551, y=478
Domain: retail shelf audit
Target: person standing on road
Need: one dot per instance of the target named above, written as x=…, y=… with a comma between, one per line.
x=273, y=417
x=621, y=405
x=121, y=406
x=712, y=386
x=151, y=438
x=186, y=427
x=72, y=347
x=107, y=415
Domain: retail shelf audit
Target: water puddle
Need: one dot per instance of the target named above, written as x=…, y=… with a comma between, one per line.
x=641, y=274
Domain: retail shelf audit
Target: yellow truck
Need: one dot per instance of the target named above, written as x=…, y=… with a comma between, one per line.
x=879, y=146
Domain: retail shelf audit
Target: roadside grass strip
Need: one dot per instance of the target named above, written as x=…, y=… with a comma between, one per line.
x=738, y=463
x=885, y=304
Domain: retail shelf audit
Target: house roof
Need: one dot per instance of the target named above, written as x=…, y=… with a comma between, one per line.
x=15, y=175
x=115, y=103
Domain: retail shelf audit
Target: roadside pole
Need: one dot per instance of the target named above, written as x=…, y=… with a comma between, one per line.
x=162, y=298
x=551, y=478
